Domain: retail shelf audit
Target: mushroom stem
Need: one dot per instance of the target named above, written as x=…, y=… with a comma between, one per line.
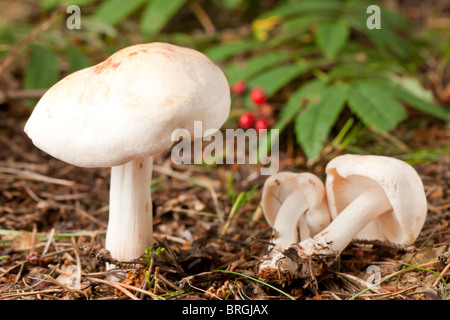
x=340, y=232
x=130, y=226
x=291, y=217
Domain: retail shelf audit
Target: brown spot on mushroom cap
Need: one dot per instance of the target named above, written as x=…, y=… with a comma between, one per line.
x=106, y=65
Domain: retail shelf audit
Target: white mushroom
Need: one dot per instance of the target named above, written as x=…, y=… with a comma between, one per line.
x=120, y=113
x=294, y=204
x=372, y=197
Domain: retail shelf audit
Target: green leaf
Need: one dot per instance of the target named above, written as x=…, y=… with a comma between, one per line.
x=302, y=96
x=313, y=7
x=387, y=40
x=158, y=13
x=76, y=58
x=229, y=4
x=236, y=71
x=113, y=11
x=331, y=37
x=224, y=51
x=51, y=4
x=42, y=70
x=275, y=79
x=301, y=23
x=98, y=27
x=421, y=104
x=376, y=106
x=410, y=91
x=313, y=126
x=305, y=94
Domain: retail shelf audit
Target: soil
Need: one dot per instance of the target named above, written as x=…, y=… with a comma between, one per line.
x=53, y=220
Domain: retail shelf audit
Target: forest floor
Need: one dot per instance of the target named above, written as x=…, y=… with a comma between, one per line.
x=53, y=220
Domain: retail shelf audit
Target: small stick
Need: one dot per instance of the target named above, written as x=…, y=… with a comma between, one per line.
x=155, y=287
x=72, y=291
x=49, y=242
x=28, y=175
x=15, y=50
x=438, y=279
x=202, y=16
x=121, y=286
x=394, y=293
x=34, y=238
x=167, y=282
x=258, y=214
x=172, y=256
x=13, y=295
x=117, y=286
x=21, y=94
x=77, y=257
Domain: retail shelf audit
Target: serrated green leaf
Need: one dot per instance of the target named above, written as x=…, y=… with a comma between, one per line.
x=242, y=70
x=302, y=96
x=275, y=79
x=375, y=106
x=307, y=93
x=224, y=51
x=112, y=12
x=76, y=58
x=331, y=37
x=313, y=126
x=387, y=40
x=42, y=70
x=158, y=13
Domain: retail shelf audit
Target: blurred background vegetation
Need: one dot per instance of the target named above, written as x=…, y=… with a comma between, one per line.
x=333, y=83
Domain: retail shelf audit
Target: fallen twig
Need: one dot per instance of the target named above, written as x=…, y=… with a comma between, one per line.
x=28, y=175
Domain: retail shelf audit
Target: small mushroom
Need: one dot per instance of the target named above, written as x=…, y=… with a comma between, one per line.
x=294, y=204
x=120, y=113
x=372, y=197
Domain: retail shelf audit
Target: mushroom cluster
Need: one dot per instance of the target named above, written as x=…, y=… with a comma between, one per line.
x=120, y=113
x=368, y=198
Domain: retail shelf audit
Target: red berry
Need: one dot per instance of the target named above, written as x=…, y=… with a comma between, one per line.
x=260, y=123
x=265, y=109
x=239, y=87
x=246, y=120
x=258, y=96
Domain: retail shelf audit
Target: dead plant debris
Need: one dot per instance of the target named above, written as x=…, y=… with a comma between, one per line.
x=53, y=219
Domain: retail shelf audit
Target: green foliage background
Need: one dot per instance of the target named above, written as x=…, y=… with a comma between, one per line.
x=317, y=60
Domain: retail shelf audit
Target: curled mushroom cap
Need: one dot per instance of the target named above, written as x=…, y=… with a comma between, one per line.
x=302, y=194
x=370, y=197
x=349, y=176
x=122, y=112
x=294, y=204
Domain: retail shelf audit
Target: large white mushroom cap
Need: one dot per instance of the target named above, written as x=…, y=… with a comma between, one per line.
x=127, y=106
